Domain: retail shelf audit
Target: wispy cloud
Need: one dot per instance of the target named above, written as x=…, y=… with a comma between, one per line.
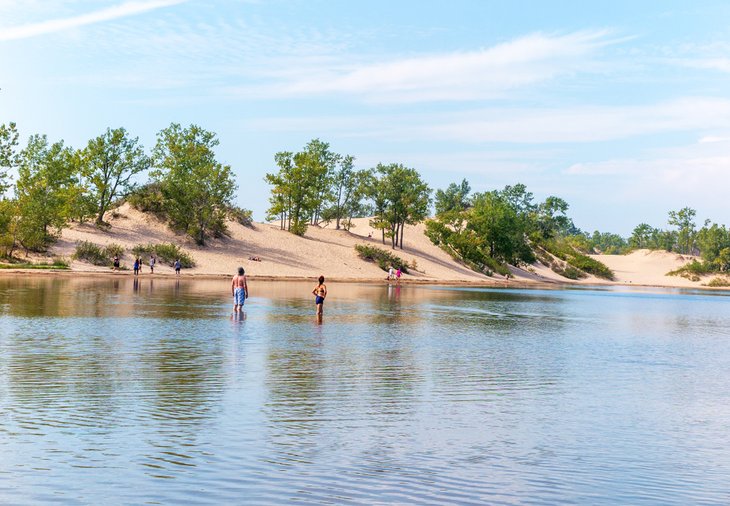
x=467, y=75
x=108, y=14
x=574, y=124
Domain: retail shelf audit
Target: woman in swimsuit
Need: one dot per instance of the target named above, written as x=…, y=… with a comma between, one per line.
x=320, y=293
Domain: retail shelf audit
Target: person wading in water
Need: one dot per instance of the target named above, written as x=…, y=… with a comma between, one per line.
x=320, y=293
x=239, y=290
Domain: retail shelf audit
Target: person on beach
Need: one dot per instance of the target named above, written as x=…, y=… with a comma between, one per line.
x=139, y=265
x=320, y=293
x=153, y=261
x=116, y=263
x=178, y=265
x=136, y=266
x=239, y=290
x=390, y=273
x=397, y=276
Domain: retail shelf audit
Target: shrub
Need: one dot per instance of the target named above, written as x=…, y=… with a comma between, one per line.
x=97, y=255
x=573, y=257
x=692, y=271
x=112, y=250
x=241, y=216
x=719, y=282
x=383, y=258
x=165, y=253
x=148, y=199
x=93, y=253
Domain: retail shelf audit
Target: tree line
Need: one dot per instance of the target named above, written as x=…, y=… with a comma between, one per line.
x=317, y=185
x=56, y=184
x=711, y=241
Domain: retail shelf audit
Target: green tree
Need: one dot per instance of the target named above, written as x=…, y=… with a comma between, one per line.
x=722, y=261
x=8, y=154
x=641, y=236
x=494, y=220
x=684, y=221
x=711, y=240
x=348, y=190
x=196, y=188
x=552, y=218
x=108, y=163
x=454, y=198
x=8, y=225
x=405, y=200
x=46, y=178
x=302, y=187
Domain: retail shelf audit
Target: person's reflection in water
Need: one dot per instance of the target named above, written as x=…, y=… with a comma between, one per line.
x=135, y=285
x=238, y=316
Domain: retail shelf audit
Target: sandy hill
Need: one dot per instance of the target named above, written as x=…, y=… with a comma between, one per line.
x=321, y=251
x=331, y=252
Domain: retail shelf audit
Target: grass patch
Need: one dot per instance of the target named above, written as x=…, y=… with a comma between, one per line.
x=97, y=255
x=165, y=252
x=718, y=282
x=383, y=258
x=56, y=264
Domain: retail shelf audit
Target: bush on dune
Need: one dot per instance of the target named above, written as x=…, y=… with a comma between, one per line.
x=383, y=258
x=97, y=255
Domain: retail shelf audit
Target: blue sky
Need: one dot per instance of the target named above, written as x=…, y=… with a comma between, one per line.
x=621, y=108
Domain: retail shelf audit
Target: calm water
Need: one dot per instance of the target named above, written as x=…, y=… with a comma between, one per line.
x=150, y=393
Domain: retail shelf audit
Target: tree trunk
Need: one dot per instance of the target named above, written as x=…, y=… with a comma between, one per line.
x=402, y=228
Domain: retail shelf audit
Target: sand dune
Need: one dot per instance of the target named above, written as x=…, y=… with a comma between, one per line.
x=324, y=250
x=321, y=251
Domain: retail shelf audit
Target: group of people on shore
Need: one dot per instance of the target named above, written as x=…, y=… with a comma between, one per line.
x=137, y=266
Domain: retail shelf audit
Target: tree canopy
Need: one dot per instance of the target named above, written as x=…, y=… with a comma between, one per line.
x=196, y=188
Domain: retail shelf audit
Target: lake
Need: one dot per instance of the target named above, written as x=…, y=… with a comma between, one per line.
x=113, y=392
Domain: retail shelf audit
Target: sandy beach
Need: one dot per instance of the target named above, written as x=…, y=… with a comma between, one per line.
x=324, y=250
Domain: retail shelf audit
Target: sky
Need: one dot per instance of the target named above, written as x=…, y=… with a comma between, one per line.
x=621, y=108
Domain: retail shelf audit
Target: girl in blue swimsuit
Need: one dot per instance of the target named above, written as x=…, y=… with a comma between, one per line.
x=320, y=292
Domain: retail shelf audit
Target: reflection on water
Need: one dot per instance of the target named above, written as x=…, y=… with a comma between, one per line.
x=150, y=390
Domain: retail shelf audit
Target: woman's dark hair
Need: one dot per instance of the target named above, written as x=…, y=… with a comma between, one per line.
x=321, y=280
x=241, y=271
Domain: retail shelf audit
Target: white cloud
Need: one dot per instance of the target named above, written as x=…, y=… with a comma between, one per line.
x=468, y=75
x=57, y=25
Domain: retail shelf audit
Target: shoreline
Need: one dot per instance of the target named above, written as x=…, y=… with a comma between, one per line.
x=502, y=284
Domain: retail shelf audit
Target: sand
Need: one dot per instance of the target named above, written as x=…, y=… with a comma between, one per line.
x=330, y=252
x=283, y=255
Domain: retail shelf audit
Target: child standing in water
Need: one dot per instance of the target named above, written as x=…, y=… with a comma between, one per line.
x=320, y=292
x=239, y=290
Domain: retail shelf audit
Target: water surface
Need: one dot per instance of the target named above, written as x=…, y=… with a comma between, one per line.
x=150, y=392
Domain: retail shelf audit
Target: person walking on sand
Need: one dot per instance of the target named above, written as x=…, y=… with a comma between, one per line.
x=239, y=290
x=178, y=265
x=153, y=261
x=390, y=273
x=116, y=263
x=397, y=276
x=136, y=266
x=139, y=265
x=320, y=293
